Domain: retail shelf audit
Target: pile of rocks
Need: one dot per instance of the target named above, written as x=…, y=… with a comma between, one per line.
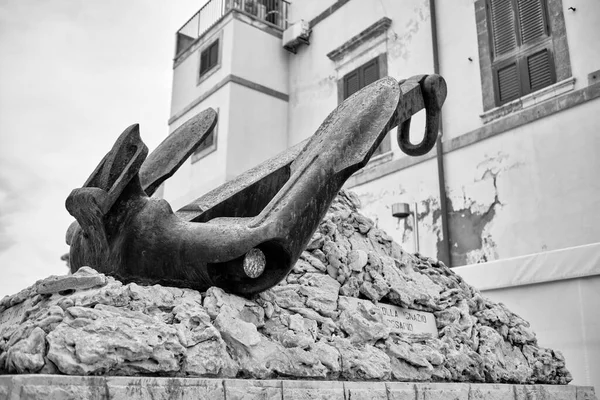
x=322, y=322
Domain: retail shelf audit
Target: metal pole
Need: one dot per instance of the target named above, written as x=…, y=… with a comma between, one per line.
x=444, y=253
x=416, y=229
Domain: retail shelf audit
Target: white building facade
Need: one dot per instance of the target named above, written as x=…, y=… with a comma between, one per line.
x=519, y=125
x=516, y=171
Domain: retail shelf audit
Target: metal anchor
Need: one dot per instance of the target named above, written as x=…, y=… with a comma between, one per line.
x=246, y=235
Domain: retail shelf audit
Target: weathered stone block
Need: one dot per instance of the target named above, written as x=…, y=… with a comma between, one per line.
x=488, y=391
x=313, y=390
x=57, y=387
x=236, y=389
x=401, y=391
x=442, y=391
x=545, y=392
x=127, y=388
x=365, y=390
x=586, y=393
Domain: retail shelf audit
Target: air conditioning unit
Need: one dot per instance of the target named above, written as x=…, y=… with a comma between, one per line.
x=262, y=12
x=298, y=33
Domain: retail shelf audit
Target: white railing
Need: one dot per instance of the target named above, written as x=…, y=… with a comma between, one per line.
x=272, y=12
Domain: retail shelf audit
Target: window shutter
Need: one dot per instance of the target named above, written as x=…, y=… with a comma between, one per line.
x=503, y=26
x=370, y=73
x=351, y=84
x=204, y=62
x=508, y=83
x=540, y=71
x=208, y=142
x=531, y=18
x=214, y=53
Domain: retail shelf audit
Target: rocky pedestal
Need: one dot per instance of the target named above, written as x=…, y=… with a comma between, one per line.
x=355, y=307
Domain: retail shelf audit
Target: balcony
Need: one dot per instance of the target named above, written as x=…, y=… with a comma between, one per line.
x=271, y=12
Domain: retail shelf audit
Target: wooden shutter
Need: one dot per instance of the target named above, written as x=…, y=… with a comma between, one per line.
x=214, y=54
x=204, y=61
x=370, y=73
x=361, y=77
x=531, y=20
x=503, y=26
x=522, y=49
x=208, y=142
x=508, y=83
x=540, y=70
x=351, y=83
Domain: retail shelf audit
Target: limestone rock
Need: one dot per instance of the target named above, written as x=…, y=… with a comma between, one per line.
x=362, y=322
x=27, y=355
x=322, y=322
x=363, y=361
x=106, y=338
x=84, y=278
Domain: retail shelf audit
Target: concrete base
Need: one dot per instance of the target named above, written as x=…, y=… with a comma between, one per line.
x=55, y=387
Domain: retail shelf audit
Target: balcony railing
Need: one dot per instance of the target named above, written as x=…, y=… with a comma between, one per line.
x=272, y=12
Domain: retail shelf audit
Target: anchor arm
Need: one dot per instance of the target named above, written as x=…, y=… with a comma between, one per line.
x=246, y=236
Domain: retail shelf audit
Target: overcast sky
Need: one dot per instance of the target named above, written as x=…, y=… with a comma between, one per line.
x=73, y=75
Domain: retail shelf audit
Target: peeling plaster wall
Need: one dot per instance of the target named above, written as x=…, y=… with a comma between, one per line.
x=529, y=190
x=313, y=76
x=539, y=183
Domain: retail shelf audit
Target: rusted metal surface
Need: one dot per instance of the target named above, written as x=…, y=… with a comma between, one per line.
x=418, y=92
x=246, y=235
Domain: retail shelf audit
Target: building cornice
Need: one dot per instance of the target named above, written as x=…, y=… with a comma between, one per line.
x=376, y=29
x=233, y=79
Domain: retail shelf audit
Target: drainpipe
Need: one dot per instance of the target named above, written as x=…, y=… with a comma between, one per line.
x=445, y=250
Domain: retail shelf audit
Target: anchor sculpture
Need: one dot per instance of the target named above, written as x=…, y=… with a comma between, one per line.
x=246, y=235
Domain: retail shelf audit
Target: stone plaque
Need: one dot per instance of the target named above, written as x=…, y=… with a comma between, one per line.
x=399, y=319
x=404, y=320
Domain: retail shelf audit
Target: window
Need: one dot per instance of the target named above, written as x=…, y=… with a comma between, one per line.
x=359, y=78
x=521, y=48
x=209, y=57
